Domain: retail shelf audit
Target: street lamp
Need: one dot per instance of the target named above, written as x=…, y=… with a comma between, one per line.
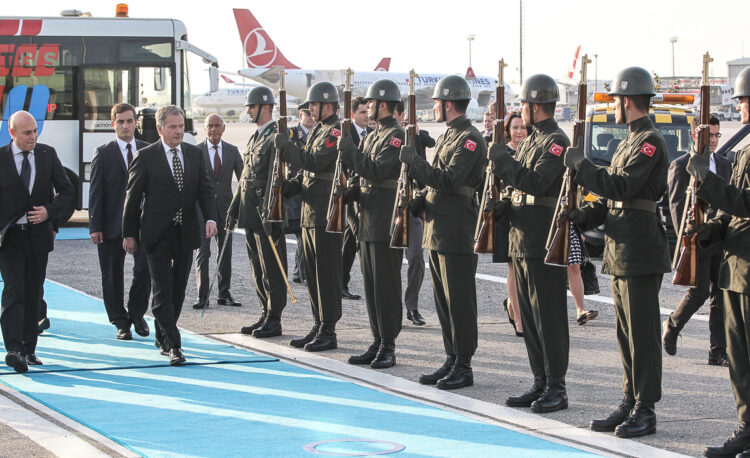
x=596, y=72
x=470, y=38
x=673, y=40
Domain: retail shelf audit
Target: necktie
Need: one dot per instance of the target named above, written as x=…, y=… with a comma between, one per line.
x=130, y=154
x=217, y=162
x=364, y=133
x=178, y=177
x=26, y=170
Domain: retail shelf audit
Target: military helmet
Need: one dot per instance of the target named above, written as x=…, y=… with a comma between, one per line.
x=633, y=81
x=383, y=89
x=539, y=88
x=452, y=87
x=259, y=95
x=742, y=84
x=323, y=92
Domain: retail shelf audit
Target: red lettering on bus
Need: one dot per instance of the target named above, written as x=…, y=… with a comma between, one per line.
x=47, y=60
x=25, y=59
x=51, y=107
x=6, y=58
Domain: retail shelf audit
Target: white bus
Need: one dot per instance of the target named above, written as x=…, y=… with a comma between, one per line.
x=69, y=71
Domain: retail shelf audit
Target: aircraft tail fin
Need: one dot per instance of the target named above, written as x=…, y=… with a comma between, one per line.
x=260, y=50
x=383, y=65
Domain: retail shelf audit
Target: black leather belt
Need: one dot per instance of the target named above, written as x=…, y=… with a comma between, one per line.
x=254, y=183
x=389, y=184
x=23, y=227
x=521, y=198
x=328, y=176
x=463, y=190
x=633, y=204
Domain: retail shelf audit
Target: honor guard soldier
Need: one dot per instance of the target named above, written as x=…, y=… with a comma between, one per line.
x=322, y=250
x=536, y=177
x=378, y=167
x=732, y=224
x=450, y=213
x=246, y=210
x=635, y=249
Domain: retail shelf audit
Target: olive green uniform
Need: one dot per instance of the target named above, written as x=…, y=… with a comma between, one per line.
x=450, y=215
x=378, y=167
x=245, y=206
x=321, y=249
x=536, y=177
x=733, y=225
x=635, y=249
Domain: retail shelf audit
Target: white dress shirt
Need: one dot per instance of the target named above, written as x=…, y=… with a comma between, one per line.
x=170, y=156
x=213, y=150
x=124, y=149
x=18, y=158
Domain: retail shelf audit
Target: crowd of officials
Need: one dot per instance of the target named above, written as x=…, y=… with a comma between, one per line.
x=163, y=202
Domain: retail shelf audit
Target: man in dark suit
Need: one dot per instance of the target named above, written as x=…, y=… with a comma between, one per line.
x=222, y=159
x=170, y=179
x=109, y=178
x=709, y=259
x=28, y=173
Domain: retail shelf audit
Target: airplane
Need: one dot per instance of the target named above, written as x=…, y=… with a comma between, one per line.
x=262, y=56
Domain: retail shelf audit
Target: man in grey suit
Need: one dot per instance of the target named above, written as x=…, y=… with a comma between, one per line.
x=222, y=159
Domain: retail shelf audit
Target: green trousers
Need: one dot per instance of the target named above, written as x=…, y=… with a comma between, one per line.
x=269, y=283
x=381, y=273
x=737, y=326
x=323, y=272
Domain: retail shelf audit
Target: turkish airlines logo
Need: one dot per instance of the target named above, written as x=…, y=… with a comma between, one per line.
x=260, y=50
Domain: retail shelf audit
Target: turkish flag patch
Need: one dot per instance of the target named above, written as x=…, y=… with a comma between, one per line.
x=648, y=149
x=395, y=142
x=335, y=132
x=470, y=145
x=556, y=149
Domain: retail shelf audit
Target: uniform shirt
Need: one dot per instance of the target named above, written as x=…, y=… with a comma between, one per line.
x=18, y=158
x=124, y=149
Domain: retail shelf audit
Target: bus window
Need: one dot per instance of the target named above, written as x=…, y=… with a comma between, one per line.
x=102, y=88
x=61, y=105
x=151, y=92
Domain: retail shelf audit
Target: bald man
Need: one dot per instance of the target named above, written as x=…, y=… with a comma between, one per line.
x=28, y=173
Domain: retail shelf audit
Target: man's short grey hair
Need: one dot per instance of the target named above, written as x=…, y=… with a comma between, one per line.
x=213, y=115
x=163, y=112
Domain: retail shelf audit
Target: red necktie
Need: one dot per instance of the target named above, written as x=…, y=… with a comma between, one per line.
x=130, y=154
x=217, y=162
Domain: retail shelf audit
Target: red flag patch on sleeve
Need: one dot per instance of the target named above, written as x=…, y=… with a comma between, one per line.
x=335, y=132
x=648, y=149
x=470, y=144
x=556, y=149
x=395, y=142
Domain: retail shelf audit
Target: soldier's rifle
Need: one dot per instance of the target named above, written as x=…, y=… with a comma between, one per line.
x=336, y=209
x=229, y=230
x=558, y=239
x=273, y=201
x=685, y=261
x=484, y=233
x=404, y=192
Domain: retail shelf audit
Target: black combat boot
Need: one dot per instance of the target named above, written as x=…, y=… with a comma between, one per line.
x=615, y=418
x=739, y=441
x=368, y=355
x=386, y=356
x=431, y=379
x=325, y=340
x=299, y=343
x=249, y=329
x=530, y=396
x=460, y=375
x=553, y=398
x=271, y=328
x=640, y=422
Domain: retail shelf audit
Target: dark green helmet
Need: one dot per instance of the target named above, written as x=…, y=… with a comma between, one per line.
x=539, y=89
x=323, y=92
x=742, y=84
x=259, y=95
x=452, y=87
x=385, y=90
x=633, y=81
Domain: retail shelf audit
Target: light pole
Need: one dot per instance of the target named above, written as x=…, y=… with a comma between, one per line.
x=673, y=40
x=470, y=38
x=596, y=72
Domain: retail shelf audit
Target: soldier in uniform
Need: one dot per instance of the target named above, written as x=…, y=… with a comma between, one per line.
x=322, y=250
x=378, y=167
x=635, y=250
x=293, y=205
x=732, y=225
x=451, y=208
x=246, y=209
x=536, y=177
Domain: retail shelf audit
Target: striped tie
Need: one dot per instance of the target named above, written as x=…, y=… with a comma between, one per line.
x=178, y=178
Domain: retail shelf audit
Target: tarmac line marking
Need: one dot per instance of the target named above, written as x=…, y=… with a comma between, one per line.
x=506, y=417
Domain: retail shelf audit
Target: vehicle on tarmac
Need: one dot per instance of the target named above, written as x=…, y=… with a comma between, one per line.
x=670, y=113
x=69, y=71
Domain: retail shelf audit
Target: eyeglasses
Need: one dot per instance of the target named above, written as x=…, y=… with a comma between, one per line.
x=714, y=135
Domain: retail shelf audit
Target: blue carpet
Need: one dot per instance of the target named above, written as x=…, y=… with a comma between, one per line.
x=73, y=233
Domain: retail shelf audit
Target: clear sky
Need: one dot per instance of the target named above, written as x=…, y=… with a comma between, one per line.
x=430, y=36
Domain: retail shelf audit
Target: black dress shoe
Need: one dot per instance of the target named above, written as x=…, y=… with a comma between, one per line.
x=640, y=422
x=141, y=327
x=744, y=454
x=718, y=357
x=669, y=338
x=442, y=371
x=228, y=300
x=738, y=442
x=460, y=375
x=530, y=396
x=609, y=424
x=346, y=294
x=200, y=303
x=176, y=357
x=270, y=328
x=368, y=355
x=16, y=361
x=248, y=330
x=415, y=317
x=32, y=360
x=299, y=343
x=553, y=398
x=297, y=280
x=325, y=340
x=386, y=356
x=124, y=334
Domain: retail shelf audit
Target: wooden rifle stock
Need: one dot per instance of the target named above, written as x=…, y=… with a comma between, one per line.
x=336, y=210
x=275, y=207
x=404, y=192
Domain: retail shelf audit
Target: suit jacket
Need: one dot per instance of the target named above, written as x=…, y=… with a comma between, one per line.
x=150, y=180
x=51, y=189
x=109, y=179
x=231, y=161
